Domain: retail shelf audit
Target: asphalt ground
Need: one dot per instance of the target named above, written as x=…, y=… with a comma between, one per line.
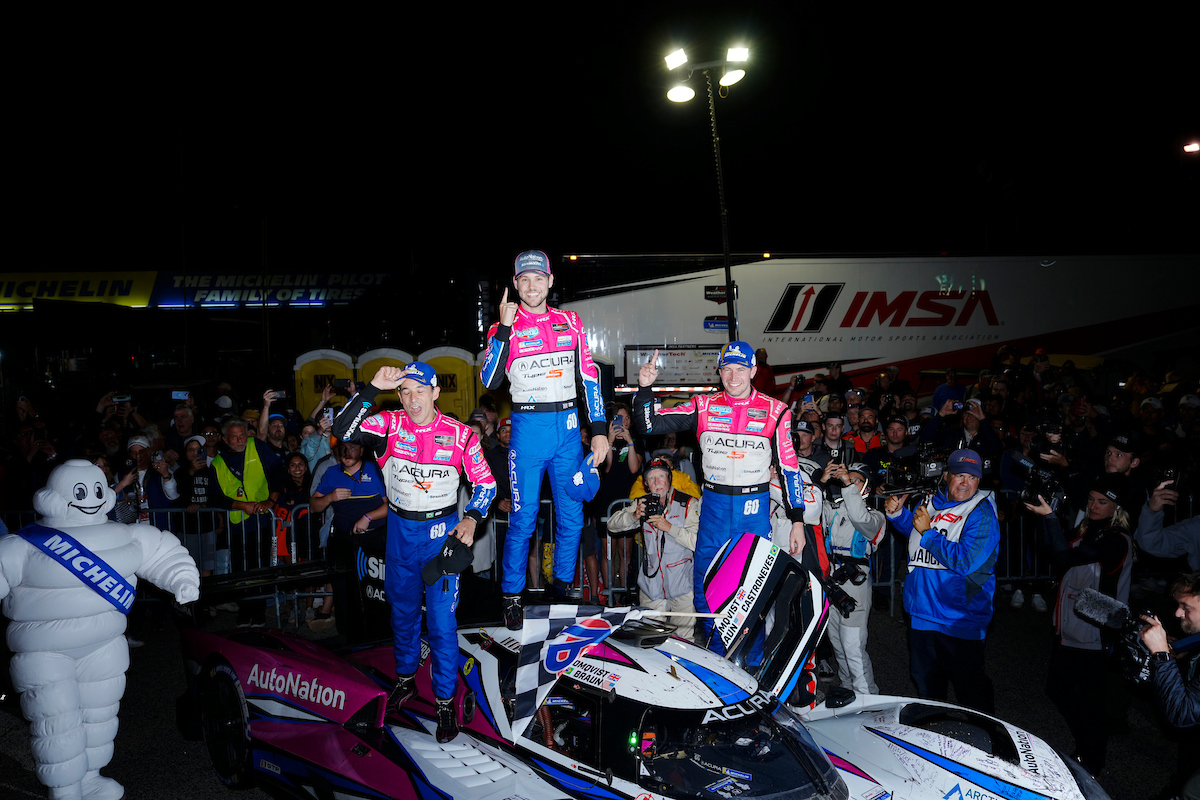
x=153, y=760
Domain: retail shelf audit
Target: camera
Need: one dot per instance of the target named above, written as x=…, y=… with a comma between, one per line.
x=1168, y=474
x=836, y=595
x=653, y=508
x=1039, y=481
x=1129, y=652
x=919, y=473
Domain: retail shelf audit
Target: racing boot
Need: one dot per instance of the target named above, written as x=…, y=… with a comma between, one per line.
x=447, y=721
x=405, y=688
x=514, y=615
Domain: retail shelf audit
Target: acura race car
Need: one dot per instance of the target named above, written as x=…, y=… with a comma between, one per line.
x=636, y=714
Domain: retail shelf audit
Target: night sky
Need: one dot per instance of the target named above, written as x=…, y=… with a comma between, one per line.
x=440, y=144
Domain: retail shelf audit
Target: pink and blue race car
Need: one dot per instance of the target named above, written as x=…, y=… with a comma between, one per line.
x=639, y=715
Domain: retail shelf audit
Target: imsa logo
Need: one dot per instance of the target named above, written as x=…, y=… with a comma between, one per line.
x=804, y=307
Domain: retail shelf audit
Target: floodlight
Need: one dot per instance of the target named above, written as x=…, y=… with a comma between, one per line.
x=676, y=58
x=737, y=54
x=1191, y=148
x=732, y=76
x=681, y=93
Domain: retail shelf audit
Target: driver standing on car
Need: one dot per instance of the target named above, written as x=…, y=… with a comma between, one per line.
x=741, y=431
x=422, y=454
x=545, y=355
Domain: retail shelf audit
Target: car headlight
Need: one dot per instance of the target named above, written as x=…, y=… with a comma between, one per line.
x=1087, y=784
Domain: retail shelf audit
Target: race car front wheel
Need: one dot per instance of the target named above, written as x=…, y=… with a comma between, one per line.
x=226, y=725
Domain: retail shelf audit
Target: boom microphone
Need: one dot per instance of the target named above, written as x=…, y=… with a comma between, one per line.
x=1100, y=609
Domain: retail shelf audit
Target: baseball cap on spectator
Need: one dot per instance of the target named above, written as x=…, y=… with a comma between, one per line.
x=1125, y=442
x=737, y=353
x=835, y=365
x=200, y=440
x=531, y=261
x=420, y=372
x=1112, y=485
x=805, y=426
x=966, y=462
x=975, y=401
x=277, y=416
x=224, y=402
x=1153, y=402
x=250, y=413
x=927, y=411
x=506, y=422
x=657, y=463
x=453, y=558
x=903, y=421
x=586, y=482
x=1190, y=400
x=137, y=441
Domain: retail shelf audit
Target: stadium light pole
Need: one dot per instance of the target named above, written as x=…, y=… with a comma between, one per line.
x=732, y=69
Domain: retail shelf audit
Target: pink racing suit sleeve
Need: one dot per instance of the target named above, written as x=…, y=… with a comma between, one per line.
x=495, y=356
x=789, y=466
x=483, y=484
x=588, y=376
x=648, y=422
x=354, y=423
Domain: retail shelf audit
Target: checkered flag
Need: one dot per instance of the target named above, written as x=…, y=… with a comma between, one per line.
x=552, y=639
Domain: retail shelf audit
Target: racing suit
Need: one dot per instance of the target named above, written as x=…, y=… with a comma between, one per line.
x=547, y=361
x=421, y=468
x=739, y=438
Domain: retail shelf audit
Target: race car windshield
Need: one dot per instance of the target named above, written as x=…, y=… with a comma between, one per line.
x=738, y=751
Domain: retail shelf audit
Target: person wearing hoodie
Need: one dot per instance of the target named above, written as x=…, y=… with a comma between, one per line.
x=953, y=542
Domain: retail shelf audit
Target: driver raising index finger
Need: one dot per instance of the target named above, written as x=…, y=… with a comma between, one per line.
x=543, y=351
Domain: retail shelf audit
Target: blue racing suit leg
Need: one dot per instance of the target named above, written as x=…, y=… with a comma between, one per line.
x=410, y=545
x=722, y=517
x=541, y=442
x=568, y=455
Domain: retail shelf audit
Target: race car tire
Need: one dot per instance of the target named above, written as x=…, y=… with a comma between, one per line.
x=226, y=725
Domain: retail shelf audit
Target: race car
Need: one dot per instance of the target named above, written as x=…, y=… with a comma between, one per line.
x=637, y=714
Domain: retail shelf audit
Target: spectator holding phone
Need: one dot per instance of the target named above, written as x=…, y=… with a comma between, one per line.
x=1180, y=539
x=148, y=482
x=196, y=485
x=183, y=426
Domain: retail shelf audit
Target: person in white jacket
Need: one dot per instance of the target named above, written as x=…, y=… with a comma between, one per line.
x=66, y=584
x=668, y=544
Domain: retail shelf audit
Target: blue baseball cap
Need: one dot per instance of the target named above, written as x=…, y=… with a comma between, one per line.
x=586, y=483
x=966, y=462
x=531, y=261
x=736, y=353
x=420, y=372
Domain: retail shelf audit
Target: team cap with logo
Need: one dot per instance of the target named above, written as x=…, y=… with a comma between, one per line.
x=420, y=372
x=738, y=353
x=531, y=261
x=966, y=462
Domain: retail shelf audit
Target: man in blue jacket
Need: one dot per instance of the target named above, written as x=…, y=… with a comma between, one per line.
x=953, y=540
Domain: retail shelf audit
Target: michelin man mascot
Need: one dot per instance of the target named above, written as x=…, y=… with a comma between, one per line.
x=67, y=584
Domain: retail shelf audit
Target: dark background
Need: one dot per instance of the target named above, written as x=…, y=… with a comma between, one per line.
x=436, y=143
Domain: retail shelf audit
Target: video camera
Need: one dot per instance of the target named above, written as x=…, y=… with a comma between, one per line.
x=1039, y=481
x=919, y=473
x=1130, y=652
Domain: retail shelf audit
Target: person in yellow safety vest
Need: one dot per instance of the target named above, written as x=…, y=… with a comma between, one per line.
x=250, y=479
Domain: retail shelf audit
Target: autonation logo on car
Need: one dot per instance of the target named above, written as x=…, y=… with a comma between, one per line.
x=294, y=684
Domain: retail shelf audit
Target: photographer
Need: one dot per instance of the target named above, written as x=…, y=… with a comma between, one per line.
x=1177, y=682
x=669, y=520
x=953, y=539
x=852, y=532
x=1180, y=539
x=1098, y=556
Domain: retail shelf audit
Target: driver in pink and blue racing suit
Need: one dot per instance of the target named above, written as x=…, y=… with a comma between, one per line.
x=422, y=454
x=544, y=353
x=741, y=431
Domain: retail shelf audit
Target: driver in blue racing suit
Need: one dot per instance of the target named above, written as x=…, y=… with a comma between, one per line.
x=545, y=355
x=741, y=431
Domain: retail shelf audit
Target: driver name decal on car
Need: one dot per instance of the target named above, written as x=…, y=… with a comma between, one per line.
x=592, y=675
x=738, y=710
x=296, y=685
x=741, y=604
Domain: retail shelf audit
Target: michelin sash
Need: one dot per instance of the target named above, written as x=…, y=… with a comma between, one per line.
x=91, y=570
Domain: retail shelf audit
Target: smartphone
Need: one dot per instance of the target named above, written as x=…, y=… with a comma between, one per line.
x=158, y=455
x=180, y=395
x=122, y=398
x=808, y=398
x=281, y=395
x=957, y=406
x=329, y=414
x=341, y=383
